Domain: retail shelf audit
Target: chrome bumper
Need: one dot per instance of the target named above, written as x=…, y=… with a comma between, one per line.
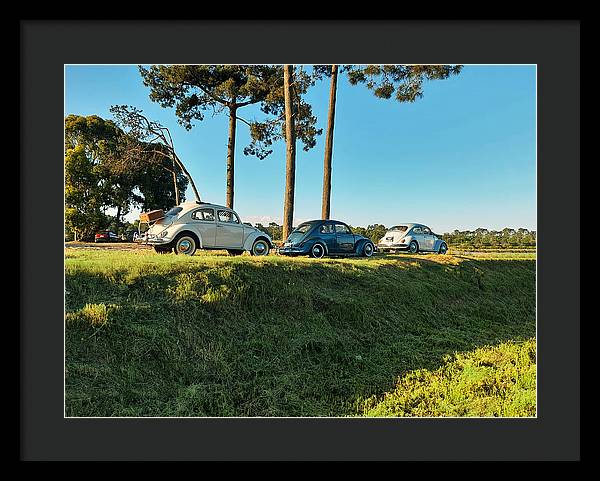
x=392, y=246
x=152, y=241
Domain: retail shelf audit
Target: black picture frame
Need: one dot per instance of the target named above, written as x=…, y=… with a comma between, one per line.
x=46, y=46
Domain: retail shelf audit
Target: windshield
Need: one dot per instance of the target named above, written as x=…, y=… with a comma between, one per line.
x=398, y=228
x=299, y=232
x=174, y=211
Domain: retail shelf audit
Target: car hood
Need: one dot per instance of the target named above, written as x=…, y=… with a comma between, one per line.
x=250, y=229
x=161, y=224
x=397, y=236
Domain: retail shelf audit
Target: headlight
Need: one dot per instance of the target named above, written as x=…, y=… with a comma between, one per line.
x=163, y=233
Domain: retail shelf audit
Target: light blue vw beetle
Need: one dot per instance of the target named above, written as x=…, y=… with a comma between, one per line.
x=199, y=225
x=413, y=238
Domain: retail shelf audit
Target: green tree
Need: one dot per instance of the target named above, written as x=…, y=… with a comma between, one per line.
x=148, y=144
x=375, y=232
x=101, y=141
x=290, y=119
x=290, y=152
x=103, y=170
x=194, y=89
x=83, y=196
x=89, y=186
x=404, y=82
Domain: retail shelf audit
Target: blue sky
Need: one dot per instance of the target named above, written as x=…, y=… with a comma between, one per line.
x=462, y=157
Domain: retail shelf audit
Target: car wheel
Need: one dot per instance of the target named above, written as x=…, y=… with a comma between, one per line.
x=443, y=248
x=368, y=249
x=317, y=251
x=185, y=245
x=260, y=248
x=413, y=247
x=234, y=252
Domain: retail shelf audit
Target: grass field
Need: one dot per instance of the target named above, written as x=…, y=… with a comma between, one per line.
x=212, y=335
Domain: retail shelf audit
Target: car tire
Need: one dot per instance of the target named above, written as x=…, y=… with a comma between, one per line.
x=260, y=248
x=185, y=244
x=235, y=252
x=317, y=251
x=443, y=248
x=368, y=249
x=413, y=247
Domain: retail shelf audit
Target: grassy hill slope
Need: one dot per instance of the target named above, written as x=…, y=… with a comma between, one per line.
x=151, y=335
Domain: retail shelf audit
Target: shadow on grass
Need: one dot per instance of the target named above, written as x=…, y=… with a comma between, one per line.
x=277, y=338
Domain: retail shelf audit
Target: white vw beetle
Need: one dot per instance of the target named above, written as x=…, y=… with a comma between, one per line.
x=199, y=225
x=413, y=238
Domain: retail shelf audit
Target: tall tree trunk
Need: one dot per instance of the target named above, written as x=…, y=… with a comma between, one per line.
x=326, y=204
x=175, y=183
x=231, y=155
x=290, y=154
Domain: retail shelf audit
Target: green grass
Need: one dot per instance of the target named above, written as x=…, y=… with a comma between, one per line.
x=212, y=335
x=490, y=381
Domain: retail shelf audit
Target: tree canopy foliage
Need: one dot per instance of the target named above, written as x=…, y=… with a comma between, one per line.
x=101, y=174
x=194, y=90
x=404, y=82
x=149, y=143
x=481, y=238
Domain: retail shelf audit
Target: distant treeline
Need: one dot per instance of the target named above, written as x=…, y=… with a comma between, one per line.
x=480, y=238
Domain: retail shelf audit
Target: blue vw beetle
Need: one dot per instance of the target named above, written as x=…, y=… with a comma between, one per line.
x=318, y=238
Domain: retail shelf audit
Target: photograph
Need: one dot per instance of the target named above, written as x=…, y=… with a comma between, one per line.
x=349, y=241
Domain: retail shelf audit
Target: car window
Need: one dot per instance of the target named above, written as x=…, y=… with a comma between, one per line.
x=174, y=211
x=228, y=216
x=303, y=228
x=398, y=228
x=426, y=230
x=204, y=214
x=417, y=230
x=326, y=229
x=342, y=229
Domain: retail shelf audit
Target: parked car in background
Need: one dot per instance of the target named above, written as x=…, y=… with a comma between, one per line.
x=106, y=236
x=199, y=225
x=319, y=238
x=413, y=238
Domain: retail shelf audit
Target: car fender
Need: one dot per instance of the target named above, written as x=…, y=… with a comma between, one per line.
x=438, y=243
x=360, y=243
x=313, y=240
x=252, y=238
x=176, y=229
x=409, y=238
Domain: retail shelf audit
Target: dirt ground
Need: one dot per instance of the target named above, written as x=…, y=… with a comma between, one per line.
x=120, y=246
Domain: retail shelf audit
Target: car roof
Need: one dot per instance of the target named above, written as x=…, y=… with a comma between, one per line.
x=319, y=221
x=410, y=225
x=192, y=205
